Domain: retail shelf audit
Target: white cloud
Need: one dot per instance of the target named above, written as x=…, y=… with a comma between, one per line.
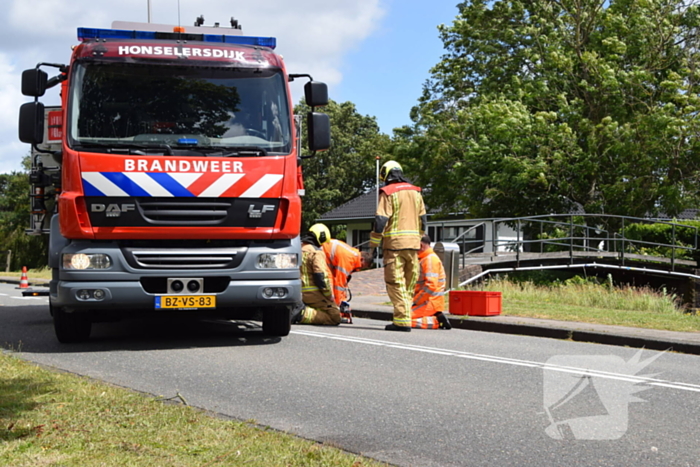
x=11, y=149
x=312, y=35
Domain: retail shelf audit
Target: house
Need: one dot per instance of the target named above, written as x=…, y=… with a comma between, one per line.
x=472, y=235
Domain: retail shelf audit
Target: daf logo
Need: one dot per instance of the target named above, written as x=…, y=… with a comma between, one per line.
x=257, y=213
x=112, y=210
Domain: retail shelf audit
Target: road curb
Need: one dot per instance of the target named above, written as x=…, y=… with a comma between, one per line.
x=554, y=332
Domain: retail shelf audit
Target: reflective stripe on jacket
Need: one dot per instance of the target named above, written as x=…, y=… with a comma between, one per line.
x=313, y=262
x=343, y=260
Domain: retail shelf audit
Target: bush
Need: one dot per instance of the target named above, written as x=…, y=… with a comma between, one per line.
x=662, y=239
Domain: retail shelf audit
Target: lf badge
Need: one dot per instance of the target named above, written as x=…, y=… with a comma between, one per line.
x=257, y=213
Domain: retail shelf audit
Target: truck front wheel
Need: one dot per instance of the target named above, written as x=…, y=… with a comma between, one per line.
x=277, y=321
x=70, y=327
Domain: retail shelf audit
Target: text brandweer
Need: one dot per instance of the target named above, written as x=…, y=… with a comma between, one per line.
x=142, y=165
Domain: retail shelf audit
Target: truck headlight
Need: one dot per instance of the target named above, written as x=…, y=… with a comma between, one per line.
x=278, y=261
x=80, y=261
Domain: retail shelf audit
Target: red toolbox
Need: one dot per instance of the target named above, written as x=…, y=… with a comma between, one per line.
x=474, y=303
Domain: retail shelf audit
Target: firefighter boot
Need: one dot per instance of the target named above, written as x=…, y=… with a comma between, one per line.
x=298, y=313
x=345, y=313
x=442, y=319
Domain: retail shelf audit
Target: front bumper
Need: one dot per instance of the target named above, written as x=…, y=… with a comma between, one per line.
x=129, y=295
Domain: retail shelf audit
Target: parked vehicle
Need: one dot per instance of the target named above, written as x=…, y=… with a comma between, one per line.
x=169, y=178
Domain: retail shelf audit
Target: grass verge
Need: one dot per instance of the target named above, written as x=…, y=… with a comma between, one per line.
x=595, y=303
x=49, y=418
x=43, y=273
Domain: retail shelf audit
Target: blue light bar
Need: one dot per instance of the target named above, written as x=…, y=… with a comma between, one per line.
x=270, y=42
x=188, y=141
x=92, y=33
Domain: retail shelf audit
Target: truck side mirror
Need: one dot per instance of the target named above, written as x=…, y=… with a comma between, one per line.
x=316, y=93
x=34, y=82
x=31, y=123
x=319, y=126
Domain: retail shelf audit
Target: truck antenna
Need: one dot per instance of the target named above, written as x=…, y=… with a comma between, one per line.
x=178, y=15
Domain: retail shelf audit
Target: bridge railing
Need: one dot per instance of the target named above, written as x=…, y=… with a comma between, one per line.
x=573, y=233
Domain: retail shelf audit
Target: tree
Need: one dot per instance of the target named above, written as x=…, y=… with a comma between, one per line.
x=541, y=106
x=30, y=251
x=347, y=169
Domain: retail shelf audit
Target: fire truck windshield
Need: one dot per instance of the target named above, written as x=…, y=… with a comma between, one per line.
x=127, y=104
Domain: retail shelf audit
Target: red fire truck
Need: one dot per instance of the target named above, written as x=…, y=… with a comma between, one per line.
x=169, y=179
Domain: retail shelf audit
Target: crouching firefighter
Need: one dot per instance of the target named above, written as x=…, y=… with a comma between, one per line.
x=429, y=294
x=316, y=283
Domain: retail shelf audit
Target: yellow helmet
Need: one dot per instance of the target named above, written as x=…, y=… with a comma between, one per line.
x=387, y=168
x=321, y=232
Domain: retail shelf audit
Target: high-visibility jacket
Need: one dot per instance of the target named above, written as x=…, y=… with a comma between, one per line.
x=429, y=294
x=343, y=261
x=320, y=307
x=400, y=218
x=313, y=263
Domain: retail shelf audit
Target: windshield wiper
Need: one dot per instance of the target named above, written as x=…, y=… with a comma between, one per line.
x=133, y=148
x=229, y=151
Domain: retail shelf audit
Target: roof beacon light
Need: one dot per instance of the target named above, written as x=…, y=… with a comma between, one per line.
x=85, y=34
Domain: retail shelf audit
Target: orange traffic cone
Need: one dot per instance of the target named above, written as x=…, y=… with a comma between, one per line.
x=24, y=282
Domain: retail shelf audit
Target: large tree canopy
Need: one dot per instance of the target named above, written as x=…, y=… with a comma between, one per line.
x=347, y=170
x=30, y=251
x=540, y=106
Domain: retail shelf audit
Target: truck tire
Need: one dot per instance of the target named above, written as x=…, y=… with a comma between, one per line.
x=277, y=321
x=70, y=327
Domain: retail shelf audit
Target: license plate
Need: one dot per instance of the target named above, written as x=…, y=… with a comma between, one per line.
x=185, y=302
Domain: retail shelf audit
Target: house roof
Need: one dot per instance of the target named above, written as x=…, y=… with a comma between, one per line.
x=364, y=207
x=357, y=209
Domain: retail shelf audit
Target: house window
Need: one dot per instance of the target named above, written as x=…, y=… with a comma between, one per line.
x=360, y=236
x=472, y=241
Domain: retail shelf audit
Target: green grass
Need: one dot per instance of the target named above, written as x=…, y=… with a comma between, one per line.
x=595, y=303
x=43, y=273
x=57, y=419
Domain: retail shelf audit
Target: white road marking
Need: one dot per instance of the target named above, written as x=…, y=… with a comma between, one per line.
x=505, y=360
x=30, y=298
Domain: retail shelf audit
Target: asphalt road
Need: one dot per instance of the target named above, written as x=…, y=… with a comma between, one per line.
x=425, y=398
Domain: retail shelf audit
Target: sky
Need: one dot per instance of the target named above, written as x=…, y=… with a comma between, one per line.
x=374, y=53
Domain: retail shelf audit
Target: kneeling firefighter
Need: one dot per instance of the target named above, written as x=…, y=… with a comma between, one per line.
x=316, y=281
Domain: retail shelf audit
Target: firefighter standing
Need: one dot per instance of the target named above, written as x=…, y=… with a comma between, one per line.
x=429, y=294
x=399, y=224
x=316, y=281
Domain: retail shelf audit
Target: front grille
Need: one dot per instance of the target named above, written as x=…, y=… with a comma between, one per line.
x=221, y=258
x=193, y=212
x=124, y=212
